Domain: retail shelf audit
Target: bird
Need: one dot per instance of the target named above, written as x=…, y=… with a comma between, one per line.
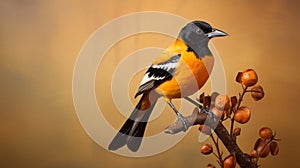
x=178, y=72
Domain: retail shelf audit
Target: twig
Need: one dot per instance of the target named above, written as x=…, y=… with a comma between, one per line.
x=199, y=118
x=219, y=156
x=237, y=107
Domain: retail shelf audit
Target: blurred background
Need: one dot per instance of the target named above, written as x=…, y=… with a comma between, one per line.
x=39, y=44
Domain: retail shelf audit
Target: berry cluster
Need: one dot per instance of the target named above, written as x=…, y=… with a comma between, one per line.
x=231, y=109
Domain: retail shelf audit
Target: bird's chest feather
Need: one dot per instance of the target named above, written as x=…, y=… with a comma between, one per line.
x=190, y=75
x=194, y=72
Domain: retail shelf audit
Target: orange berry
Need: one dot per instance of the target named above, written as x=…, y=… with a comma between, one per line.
x=242, y=115
x=265, y=133
x=229, y=162
x=218, y=113
x=222, y=102
x=211, y=166
x=257, y=92
x=248, y=77
x=206, y=149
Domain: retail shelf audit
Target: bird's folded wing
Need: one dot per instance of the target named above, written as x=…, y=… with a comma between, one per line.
x=158, y=73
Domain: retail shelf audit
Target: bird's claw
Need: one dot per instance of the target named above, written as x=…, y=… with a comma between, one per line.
x=210, y=115
x=183, y=121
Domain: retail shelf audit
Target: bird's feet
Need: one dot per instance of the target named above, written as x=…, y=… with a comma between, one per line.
x=184, y=121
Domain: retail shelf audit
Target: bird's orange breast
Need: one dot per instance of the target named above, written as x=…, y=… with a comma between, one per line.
x=190, y=75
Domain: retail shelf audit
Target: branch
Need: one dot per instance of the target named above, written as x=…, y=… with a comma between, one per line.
x=199, y=118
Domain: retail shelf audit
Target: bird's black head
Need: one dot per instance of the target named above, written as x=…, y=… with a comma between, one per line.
x=208, y=30
x=196, y=35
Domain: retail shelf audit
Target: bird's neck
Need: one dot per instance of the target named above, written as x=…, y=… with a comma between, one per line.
x=201, y=49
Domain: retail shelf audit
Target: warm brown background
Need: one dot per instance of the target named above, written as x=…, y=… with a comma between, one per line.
x=40, y=41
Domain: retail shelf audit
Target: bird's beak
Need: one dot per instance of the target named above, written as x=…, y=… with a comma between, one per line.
x=216, y=33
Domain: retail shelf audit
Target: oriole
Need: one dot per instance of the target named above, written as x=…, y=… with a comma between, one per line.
x=181, y=70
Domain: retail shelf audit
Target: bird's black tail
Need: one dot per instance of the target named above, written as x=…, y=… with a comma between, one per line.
x=132, y=131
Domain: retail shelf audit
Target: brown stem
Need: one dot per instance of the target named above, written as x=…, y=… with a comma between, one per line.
x=219, y=156
x=199, y=118
x=237, y=107
x=242, y=159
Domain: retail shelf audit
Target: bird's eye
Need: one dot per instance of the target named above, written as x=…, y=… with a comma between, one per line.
x=198, y=31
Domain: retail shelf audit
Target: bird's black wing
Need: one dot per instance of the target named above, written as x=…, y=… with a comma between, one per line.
x=157, y=74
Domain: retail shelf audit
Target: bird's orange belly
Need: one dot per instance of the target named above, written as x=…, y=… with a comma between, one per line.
x=190, y=76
